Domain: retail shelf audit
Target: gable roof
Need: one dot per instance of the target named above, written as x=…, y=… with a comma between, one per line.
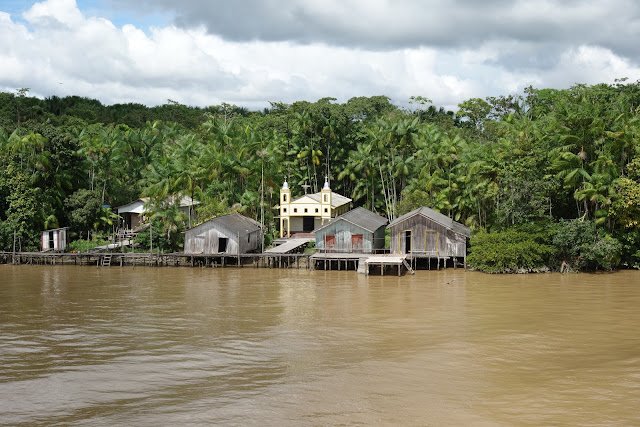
x=337, y=200
x=441, y=219
x=138, y=205
x=232, y=222
x=360, y=217
x=55, y=229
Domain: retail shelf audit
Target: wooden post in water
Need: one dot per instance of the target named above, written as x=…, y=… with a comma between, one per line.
x=13, y=258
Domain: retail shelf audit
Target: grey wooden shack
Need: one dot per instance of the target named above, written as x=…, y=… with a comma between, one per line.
x=229, y=234
x=426, y=233
x=54, y=239
x=358, y=230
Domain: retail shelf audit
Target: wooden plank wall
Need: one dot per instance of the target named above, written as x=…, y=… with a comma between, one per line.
x=205, y=239
x=343, y=231
x=427, y=237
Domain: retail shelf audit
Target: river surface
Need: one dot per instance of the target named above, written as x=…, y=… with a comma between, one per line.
x=188, y=346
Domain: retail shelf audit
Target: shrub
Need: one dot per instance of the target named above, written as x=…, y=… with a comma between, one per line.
x=583, y=246
x=161, y=243
x=85, y=245
x=510, y=251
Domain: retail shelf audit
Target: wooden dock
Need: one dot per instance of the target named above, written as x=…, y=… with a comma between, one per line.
x=387, y=262
x=178, y=259
x=382, y=264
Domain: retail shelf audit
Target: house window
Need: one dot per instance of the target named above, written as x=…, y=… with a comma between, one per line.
x=295, y=210
x=325, y=198
x=316, y=210
x=284, y=197
x=248, y=238
x=284, y=209
x=326, y=210
x=306, y=210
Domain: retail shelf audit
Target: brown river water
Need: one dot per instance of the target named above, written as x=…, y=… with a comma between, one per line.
x=190, y=346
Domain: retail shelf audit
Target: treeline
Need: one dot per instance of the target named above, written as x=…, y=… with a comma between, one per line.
x=542, y=177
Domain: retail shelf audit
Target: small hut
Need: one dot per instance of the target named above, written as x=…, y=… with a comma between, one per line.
x=358, y=230
x=425, y=233
x=133, y=213
x=54, y=239
x=232, y=234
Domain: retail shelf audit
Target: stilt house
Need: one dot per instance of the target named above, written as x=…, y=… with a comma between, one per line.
x=54, y=239
x=425, y=233
x=358, y=230
x=229, y=234
x=133, y=213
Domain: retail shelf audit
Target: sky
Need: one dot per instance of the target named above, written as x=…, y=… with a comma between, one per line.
x=252, y=52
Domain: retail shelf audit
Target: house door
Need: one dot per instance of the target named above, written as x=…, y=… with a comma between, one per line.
x=222, y=244
x=407, y=241
x=357, y=242
x=52, y=242
x=308, y=224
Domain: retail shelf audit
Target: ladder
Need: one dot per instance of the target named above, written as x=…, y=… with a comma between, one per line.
x=106, y=260
x=408, y=266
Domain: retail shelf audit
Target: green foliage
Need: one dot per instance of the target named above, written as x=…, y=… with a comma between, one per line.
x=475, y=110
x=603, y=254
x=161, y=241
x=630, y=253
x=82, y=246
x=584, y=247
x=510, y=251
x=498, y=164
x=626, y=200
x=85, y=210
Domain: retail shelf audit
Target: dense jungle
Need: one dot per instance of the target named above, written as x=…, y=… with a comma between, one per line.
x=545, y=177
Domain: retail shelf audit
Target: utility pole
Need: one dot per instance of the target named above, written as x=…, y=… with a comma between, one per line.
x=262, y=205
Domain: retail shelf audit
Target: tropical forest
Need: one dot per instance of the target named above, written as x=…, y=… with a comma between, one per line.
x=546, y=179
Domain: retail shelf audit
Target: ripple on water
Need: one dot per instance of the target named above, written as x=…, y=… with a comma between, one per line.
x=173, y=346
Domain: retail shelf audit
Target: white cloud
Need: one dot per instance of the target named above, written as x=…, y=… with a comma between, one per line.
x=92, y=57
x=54, y=11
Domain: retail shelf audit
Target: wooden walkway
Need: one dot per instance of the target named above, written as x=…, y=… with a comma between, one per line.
x=290, y=245
x=382, y=264
x=179, y=259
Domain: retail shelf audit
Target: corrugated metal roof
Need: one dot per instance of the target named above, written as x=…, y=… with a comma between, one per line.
x=337, y=200
x=362, y=218
x=185, y=201
x=233, y=222
x=441, y=219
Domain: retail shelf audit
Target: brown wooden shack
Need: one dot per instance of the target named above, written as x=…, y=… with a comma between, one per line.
x=425, y=233
x=229, y=234
x=358, y=230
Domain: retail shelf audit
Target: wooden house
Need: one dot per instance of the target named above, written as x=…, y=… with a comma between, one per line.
x=133, y=213
x=229, y=234
x=357, y=231
x=306, y=213
x=425, y=233
x=54, y=239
